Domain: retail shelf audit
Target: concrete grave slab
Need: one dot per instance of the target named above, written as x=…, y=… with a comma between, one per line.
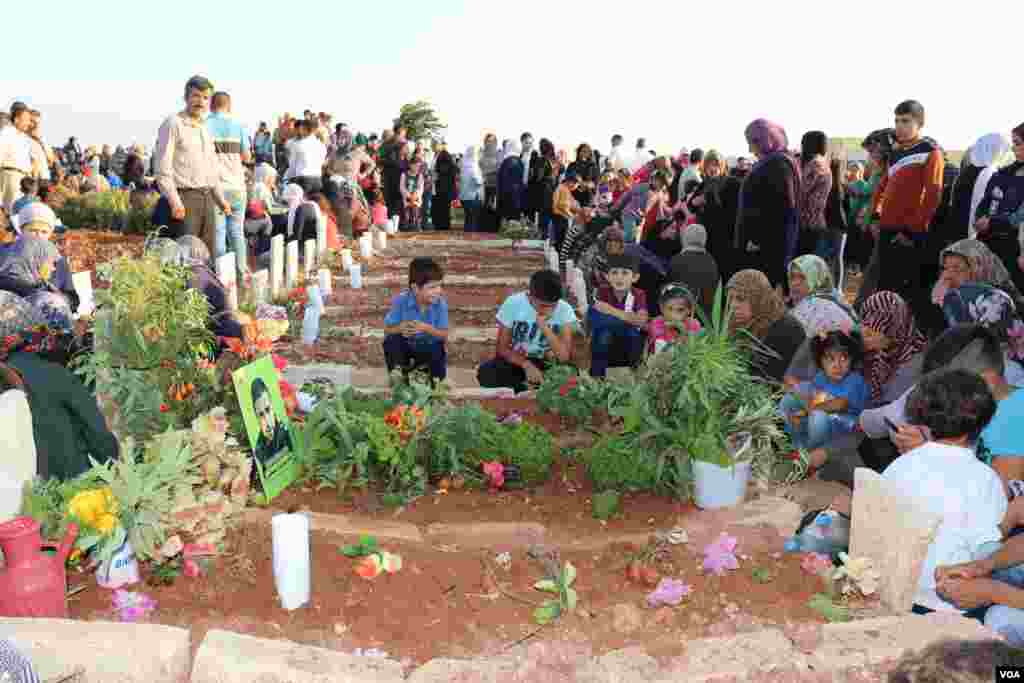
x=895, y=531
x=345, y=525
x=471, y=334
x=276, y=265
x=226, y=657
x=102, y=651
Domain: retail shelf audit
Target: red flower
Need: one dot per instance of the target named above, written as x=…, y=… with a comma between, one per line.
x=279, y=362
x=164, y=407
x=568, y=386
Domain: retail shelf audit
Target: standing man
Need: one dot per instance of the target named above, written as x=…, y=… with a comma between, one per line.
x=187, y=170
x=306, y=159
x=529, y=212
x=41, y=155
x=232, y=143
x=73, y=156
x=15, y=154
x=263, y=145
x=905, y=201
x=391, y=170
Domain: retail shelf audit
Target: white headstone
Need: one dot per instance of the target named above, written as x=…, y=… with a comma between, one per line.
x=346, y=259
x=228, y=275
x=321, y=236
x=324, y=278
x=18, y=445
x=82, y=283
x=382, y=239
x=309, y=258
x=291, y=266
x=365, y=246
x=276, y=265
x=356, y=276
x=579, y=286
x=261, y=286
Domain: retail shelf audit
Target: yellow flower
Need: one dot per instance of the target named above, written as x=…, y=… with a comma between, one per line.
x=92, y=505
x=106, y=524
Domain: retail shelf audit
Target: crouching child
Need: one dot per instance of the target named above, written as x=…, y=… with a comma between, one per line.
x=617, y=319
x=416, y=327
x=535, y=328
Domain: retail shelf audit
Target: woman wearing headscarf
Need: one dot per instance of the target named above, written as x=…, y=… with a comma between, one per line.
x=975, y=287
x=696, y=268
x=715, y=203
x=817, y=304
x=265, y=185
x=768, y=225
x=27, y=268
x=471, y=190
x=189, y=251
x=67, y=425
x=758, y=309
x=587, y=172
x=489, y=219
x=445, y=174
x=654, y=257
x=983, y=161
x=815, y=186
x=510, y=183
x=1000, y=216
x=593, y=259
x=346, y=195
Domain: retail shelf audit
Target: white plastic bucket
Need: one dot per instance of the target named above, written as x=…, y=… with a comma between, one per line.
x=719, y=487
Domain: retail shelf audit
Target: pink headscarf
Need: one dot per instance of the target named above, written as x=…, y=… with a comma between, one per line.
x=769, y=137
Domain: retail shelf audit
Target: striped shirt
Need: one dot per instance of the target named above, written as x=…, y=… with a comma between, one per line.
x=230, y=140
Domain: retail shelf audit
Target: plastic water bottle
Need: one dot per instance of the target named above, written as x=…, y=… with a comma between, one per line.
x=311, y=319
x=828, y=533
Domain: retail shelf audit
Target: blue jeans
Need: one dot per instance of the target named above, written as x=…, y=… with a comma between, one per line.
x=613, y=343
x=816, y=429
x=428, y=201
x=545, y=224
x=629, y=224
x=471, y=214
x=230, y=228
x=420, y=351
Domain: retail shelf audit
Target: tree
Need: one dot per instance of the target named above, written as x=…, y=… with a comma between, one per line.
x=420, y=120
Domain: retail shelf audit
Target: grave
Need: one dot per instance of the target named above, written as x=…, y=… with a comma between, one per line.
x=276, y=265
x=309, y=258
x=227, y=273
x=261, y=286
x=291, y=278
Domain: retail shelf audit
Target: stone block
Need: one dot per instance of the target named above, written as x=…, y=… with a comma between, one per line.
x=496, y=535
x=743, y=656
x=100, y=651
x=894, y=530
x=225, y=657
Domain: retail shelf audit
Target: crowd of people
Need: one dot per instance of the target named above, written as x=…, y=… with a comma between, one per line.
x=932, y=249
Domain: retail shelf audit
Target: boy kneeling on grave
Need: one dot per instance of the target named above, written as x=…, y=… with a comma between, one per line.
x=617, y=319
x=416, y=327
x=535, y=329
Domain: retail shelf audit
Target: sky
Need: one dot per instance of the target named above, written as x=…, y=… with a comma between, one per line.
x=677, y=73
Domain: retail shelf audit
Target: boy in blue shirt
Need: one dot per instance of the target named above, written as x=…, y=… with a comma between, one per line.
x=618, y=318
x=416, y=327
x=535, y=328
x=831, y=404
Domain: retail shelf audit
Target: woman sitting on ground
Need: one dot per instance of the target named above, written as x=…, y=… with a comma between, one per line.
x=758, y=309
x=817, y=304
x=28, y=268
x=66, y=422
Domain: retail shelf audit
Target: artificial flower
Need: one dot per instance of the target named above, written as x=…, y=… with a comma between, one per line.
x=496, y=472
x=191, y=568
x=279, y=362
x=721, y=555
x=569, y=385
x=669, y=592
x=106, y=523
x=132, y=606
x=164, y=407
x=816, y=564
x=860, y=573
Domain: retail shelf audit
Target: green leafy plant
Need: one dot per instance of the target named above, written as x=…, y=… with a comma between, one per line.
x=605, y=504
x=761, y=575
x=561, y=587
x=824, y=605
x=367, y=545
x=566, y=392
x=616, y=461
x=111, y=210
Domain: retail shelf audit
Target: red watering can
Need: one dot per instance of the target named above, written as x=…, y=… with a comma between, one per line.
x=33, y=583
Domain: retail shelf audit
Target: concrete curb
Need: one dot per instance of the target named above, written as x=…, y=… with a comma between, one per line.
x=345, y=525
x=226, y=657
x=469, y=334
x=101, y=651
x=399, y=281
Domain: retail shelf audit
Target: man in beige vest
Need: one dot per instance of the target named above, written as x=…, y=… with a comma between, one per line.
x=15, y=154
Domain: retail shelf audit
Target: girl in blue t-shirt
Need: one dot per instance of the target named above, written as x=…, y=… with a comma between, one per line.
x=816, y=412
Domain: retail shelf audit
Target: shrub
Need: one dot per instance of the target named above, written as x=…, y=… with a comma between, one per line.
x=618, y=462
x=112, y=210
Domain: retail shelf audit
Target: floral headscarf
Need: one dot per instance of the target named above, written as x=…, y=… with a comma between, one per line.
x=766, y=305
x=816, y=272
x=24, y=260
x=888, y=313
x=677, y=290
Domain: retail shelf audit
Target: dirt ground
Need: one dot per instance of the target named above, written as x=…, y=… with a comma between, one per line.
x=462, y=604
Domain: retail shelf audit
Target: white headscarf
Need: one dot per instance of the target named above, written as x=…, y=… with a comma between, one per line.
x=471, y=167
x=989, y=153
x=292, y=196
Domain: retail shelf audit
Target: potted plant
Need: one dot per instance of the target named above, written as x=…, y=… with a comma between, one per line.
x=710, y=420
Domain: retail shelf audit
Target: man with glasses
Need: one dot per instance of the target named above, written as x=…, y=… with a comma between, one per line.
x=187, y=170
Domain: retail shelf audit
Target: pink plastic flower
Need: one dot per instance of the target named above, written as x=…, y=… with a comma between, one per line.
x=132, y=606
x=816, y=564
x=191, y=569
x=496, y=472
x=279, y=362
x=721, y=555
x=669, y=592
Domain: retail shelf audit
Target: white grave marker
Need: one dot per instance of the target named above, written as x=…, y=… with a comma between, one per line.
x=356, y=276
x=309, y=258
x=291, y=268
x=324, y=278
x=346, y=259
x=226, y=272
x=260, y=286
x=382, y=239
x=365, y=246
x=82, y=283
x=321, y=236
x=276, y=265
